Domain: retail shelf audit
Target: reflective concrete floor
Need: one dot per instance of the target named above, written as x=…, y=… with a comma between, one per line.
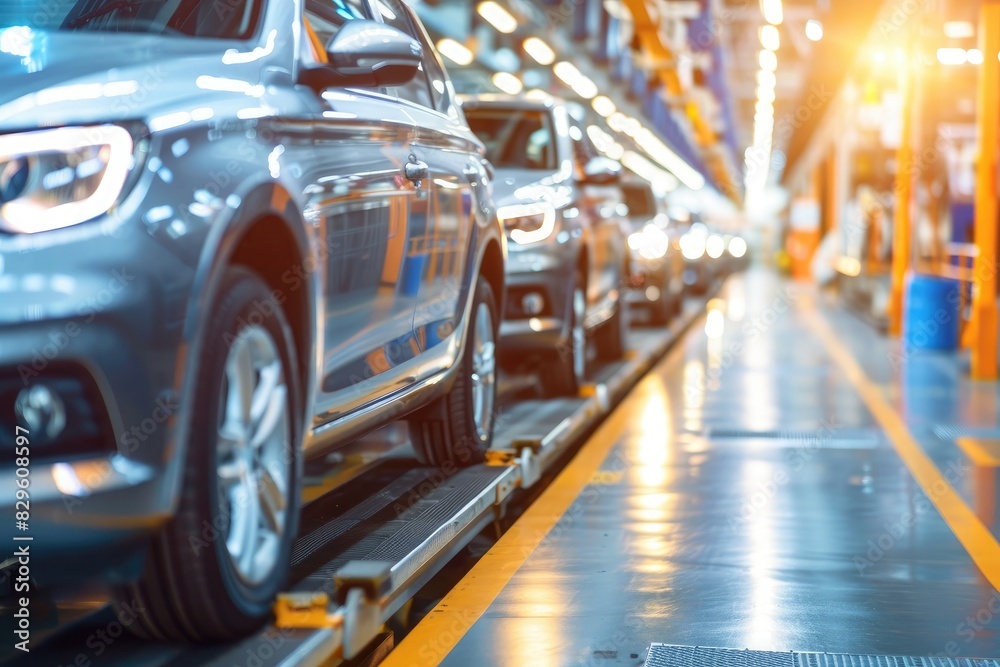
x=746, y=495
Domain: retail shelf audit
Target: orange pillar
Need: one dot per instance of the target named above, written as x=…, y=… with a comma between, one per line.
x=832, y=194
x=984, y=286
x=904, y=188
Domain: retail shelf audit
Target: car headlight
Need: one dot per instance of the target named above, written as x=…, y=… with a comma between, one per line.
x=737, y=247
x=528, y=223
x=651, y=243
x=50, y=179
x=715, y=246
x=693, y=246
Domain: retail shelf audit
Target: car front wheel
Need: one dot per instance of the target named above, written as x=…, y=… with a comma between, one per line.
x=457, y=428
x=213, y=572
x=565, y=370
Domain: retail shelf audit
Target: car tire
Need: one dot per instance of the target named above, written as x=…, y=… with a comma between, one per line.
x=567, y=369
x=457, y=429
x=212, y=573
x=611, y=337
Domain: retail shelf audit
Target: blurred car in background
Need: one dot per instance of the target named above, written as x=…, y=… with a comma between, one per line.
x=558, y=200
x=737, y=253
x=290, y=244
x=657, y=266
x=703, y=256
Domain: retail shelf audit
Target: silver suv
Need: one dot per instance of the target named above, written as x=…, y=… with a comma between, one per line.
x=561, y=205
x=234, y=235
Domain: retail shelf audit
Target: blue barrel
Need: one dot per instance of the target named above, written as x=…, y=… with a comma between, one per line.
x=931, y=313
x=413, y=271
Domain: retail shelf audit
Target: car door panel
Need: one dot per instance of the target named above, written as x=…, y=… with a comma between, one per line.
x=444, y=245
x=364, y=205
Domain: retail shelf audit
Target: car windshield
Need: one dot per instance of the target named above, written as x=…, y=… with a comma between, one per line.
x=226, y=19
x=640, y=202
x=515, y=138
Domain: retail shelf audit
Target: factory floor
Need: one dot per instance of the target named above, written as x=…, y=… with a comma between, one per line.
x=786, y=479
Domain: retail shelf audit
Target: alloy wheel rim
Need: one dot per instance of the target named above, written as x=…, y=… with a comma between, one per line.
x=253, y=468
x=483, y=372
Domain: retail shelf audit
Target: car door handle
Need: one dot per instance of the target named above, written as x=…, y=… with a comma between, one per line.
x=417, y=171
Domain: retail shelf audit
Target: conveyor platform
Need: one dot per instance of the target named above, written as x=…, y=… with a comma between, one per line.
x=401, y=523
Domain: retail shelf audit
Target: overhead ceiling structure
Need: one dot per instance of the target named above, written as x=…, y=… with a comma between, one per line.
x=633, y=61
x=832, y=57
x=662, y=31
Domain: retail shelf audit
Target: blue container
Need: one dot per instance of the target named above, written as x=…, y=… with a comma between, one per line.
x=930, y=313
x=413, y=271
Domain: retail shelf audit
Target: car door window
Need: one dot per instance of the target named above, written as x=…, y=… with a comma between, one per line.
x=326, y=17
x=418, y=90
x=514, y=138
x=441, y=89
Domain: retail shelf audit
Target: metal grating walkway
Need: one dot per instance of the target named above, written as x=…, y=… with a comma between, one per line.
x=666, y=655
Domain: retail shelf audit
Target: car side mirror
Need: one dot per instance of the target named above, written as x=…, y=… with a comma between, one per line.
x=601, y=171
x=366, y=54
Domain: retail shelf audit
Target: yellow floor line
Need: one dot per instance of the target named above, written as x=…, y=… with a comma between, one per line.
x=970, y=531
x=983, y=453
x=441, y=630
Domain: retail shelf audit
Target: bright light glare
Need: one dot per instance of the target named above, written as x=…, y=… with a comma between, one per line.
x=575, y=79
x=849, y=266
x=715, y=246
x=737, y=247
x=771, y=9
x=959, y=29
x=16, y=40
x=603, y=105
x=715, y=324
x=585, y=88
x=497, y=16
x=768, y=61
x=766, y=79
x=644, y=168
x=617, y=121
x=952, y=56
x=770, y=39
x=508, y=83
x=693, y=246
x=540, y=51
x=455, y=51
x=656, y=149
x=568, y=72
x=667, y=158
x=814, y=30
x=974, y=56
x=765, y=95
x=605, y=143
x=651, y=243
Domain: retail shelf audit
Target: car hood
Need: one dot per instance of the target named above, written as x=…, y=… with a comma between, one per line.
x=519, y=186
x=57, y=78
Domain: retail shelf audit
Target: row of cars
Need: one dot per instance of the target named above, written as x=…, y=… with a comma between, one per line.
x=229, y=246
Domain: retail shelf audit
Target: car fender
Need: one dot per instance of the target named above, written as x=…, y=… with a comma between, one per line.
x=257, y=200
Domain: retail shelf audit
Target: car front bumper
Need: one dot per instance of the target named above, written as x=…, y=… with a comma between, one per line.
x=98, y=323
x=546, y=272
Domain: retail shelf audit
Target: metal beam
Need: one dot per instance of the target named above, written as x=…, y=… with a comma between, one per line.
x=984, y=286
x=901, y=248
x=647, y=30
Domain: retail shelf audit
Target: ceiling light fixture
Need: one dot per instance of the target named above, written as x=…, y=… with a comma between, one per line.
x=497, y=16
